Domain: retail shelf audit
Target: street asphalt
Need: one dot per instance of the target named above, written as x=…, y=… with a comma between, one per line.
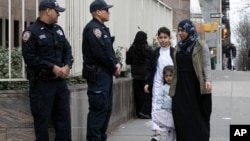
x=231, y=102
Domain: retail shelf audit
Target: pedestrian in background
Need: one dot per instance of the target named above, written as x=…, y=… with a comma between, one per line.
x=99, y=67
x=191, y=86
x=162, y=56
x=138, y=56
x=163, y=115
x=48, y=56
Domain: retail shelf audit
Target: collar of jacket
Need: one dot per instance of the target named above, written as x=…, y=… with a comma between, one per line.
x=43, y=25
x=197, y=47
x=98, y=22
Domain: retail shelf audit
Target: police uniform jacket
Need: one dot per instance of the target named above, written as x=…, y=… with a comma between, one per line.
x=97, y=46
x=44, y=46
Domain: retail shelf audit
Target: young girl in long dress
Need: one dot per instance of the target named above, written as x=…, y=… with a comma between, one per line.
x=162, y=115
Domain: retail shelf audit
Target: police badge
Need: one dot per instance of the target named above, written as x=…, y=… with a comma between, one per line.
x=59, y=32
x=26, y=36
x=97, y=32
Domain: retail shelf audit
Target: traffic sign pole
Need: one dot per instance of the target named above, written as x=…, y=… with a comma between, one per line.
x=219, y=44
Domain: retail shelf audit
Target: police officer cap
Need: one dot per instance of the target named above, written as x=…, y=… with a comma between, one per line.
x=53, y=4
x=99, y=5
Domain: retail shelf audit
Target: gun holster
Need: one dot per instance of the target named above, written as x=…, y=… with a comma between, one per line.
x=89, y=72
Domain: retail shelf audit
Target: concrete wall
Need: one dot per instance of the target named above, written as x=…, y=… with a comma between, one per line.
x=16, y=122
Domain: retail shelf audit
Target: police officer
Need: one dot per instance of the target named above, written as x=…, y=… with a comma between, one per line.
x=48, y=56
x=101, y=64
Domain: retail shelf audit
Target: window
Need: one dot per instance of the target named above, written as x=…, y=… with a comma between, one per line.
x=1, y=32
x=16, y=33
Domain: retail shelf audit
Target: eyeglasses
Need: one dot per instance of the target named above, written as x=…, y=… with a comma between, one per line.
x=106, y=9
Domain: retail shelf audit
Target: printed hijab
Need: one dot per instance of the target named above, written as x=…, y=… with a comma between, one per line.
x=188, y=44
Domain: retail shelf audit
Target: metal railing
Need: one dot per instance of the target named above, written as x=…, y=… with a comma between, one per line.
x=10, y=30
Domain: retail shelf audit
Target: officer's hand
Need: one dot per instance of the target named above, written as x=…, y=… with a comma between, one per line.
x=57, y=71
x=146, y=88
x=65, y=71
x=118, y=69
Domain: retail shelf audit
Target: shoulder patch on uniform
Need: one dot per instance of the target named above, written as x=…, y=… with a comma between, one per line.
x=26, y=36
x=59, y=31
x=97, y=32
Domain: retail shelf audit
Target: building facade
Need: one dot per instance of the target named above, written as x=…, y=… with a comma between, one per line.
x=11, y=22
x=181, y=10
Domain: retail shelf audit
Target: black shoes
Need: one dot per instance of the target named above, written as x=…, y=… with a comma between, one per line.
x=144, y=116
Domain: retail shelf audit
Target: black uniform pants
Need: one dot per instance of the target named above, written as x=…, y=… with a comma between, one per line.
x=100, y=99
x=50, y=100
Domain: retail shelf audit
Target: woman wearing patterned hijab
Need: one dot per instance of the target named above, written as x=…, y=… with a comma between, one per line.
x=191, y=86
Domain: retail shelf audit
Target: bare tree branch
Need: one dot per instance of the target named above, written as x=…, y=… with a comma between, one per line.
x=242, y=33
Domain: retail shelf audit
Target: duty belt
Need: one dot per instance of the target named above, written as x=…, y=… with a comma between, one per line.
x=45, y=75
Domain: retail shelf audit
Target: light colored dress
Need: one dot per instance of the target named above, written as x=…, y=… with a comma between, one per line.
x=162, y=116
x=163, y=60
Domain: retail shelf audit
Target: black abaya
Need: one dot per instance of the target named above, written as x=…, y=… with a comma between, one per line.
x=191, y=109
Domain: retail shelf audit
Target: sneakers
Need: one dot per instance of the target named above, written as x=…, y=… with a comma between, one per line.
x=156, y=137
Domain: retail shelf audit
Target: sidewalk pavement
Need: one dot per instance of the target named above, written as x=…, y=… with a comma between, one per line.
x=231, y=102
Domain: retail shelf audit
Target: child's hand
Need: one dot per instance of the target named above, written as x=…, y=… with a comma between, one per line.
x=146, y=88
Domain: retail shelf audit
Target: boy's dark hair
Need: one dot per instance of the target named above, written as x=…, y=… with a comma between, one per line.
x=163, y=30
x=166, y=69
